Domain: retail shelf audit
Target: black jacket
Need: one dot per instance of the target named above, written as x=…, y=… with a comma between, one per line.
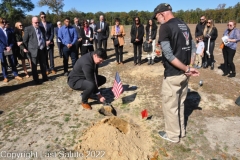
x=213, y=34
x=104, y=34
x=78, y=28
x=199, y=29
x=83, y=35
x=153, y=34
x=133, y=33
x=83, y=69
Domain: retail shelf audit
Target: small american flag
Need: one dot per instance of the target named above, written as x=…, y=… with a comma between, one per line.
x=117, y=86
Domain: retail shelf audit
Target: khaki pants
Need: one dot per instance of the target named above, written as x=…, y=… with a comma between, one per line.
x=174, y=92
x=198, y=60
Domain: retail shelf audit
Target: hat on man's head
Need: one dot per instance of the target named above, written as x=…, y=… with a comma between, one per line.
x=161, y=8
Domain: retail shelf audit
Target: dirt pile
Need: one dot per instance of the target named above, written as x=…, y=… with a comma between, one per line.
x=114, y=138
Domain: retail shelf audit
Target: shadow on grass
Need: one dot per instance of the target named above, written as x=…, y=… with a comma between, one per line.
x=191, y=103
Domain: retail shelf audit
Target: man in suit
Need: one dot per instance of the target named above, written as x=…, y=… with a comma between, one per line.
x=68, y=36
x=49, y=34
x=95, y=41
x=78, y=43
x=6, y=44
x=59, y=24
x=35, y=41
x=84, y=76
x=102, y=28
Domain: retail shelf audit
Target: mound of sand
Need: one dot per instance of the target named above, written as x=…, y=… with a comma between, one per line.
x=116, y=139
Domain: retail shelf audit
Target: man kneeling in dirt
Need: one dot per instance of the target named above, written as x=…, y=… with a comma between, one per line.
x=84, y=76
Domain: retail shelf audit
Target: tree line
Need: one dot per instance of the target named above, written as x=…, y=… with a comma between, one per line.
x=15, y=10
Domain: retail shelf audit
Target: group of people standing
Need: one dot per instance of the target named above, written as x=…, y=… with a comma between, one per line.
x=206, y=34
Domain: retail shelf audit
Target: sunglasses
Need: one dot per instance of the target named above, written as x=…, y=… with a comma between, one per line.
x=20, y=25
x=229, y=25
x=209, y=22
x=136, y=20
x=43, y=17
x=36, y=22
x=202, y=19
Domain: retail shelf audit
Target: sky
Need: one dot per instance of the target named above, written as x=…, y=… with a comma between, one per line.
x=128, y=5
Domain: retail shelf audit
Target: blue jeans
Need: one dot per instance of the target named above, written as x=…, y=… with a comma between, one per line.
x=66, y=53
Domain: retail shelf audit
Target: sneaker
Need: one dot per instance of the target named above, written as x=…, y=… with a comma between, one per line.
x=65, y=74
x=163, y=135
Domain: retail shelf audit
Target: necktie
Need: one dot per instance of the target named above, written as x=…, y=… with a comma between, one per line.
x=40, y=40
x=101, y=25
x=69, y=34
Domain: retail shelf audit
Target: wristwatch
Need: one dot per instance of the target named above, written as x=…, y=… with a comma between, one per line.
x=188, y=70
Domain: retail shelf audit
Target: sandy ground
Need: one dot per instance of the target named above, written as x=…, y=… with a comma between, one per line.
x=48, y=122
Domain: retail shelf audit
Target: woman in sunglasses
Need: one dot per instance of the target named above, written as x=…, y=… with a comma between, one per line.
x=20, y=48
x=229, y=49
x=210, y=32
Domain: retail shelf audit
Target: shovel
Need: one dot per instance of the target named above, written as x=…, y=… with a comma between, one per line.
x=107, y=109
x=208, y=48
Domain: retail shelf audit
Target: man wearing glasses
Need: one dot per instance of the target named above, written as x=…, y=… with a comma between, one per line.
x=59, y=25
x=177, y=46
x=200, y=27
x=49, y=33
x=35, y=41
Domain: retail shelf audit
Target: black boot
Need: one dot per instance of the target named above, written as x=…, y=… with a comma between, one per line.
x=212, y=66
x=149, y=61
x=233, y=74
x=224, y=74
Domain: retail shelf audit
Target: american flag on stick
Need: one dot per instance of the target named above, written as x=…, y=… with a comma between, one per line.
x=117, y=86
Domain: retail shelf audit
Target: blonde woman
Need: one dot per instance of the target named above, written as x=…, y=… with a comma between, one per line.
x=209, y=32
x=20, y=49
x=119, y=33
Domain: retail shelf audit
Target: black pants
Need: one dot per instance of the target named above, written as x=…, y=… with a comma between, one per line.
x=78, y=45
x=86, y=86
x=59, y=44
x=95, y=43
x=206, y=59
x=50, y=56
x=137, y=55
x=119, y=53
x=41, y=58
x=86, y=49
x=66, y=53
x=102, y=44
x=228, y=55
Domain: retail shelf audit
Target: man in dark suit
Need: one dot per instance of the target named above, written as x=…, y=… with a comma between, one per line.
x=49, y=34
x=6, y=44
x=59, y=24
x=78, y=43
x=102, y=28
x=35, y=41
x=84, y=76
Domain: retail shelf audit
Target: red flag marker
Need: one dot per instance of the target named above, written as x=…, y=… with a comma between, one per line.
x=144, y=113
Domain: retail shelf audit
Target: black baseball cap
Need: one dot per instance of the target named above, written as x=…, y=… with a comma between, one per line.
x=161, y=8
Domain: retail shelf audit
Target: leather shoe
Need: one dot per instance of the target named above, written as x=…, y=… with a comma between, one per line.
x=18, y=78
x=86, y=106
x=54, y=72
x=5, y=80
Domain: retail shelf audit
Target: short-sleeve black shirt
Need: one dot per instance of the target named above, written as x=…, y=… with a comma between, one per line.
x=178, y=34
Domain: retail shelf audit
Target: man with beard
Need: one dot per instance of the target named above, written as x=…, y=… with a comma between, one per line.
x=177, y=46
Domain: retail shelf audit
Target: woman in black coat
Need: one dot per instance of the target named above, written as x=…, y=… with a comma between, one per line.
x=86, y=33
x=151, y=31
x=137, y=33
x=210, y=31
